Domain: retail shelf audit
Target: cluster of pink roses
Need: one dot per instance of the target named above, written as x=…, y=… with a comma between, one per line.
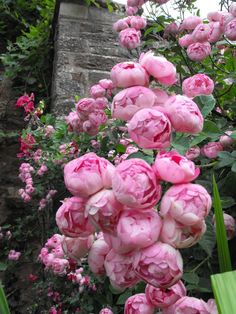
x=26, y=102
x=43, y=202
x=26, y=177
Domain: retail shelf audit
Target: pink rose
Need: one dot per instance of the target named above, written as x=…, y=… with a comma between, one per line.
x=106, y=311
x=101, y=103
x=119, y=269
x=14, y=255
x=90, y=128
x=116, y=244
x=211, y=149
x=131, y=10
x=163, y=298
x=174, y=168
x=138, y=22
x=77, y=248
x=129, y=38
x=88, y=174
x=97, y=91
x=216, y=31
x=199, y=84
x=136, y=3
x=97, y=254
x=103, y=210
x=221, y=16
x=70, y=218
x=226, y=140
x=172, y=28
x=161, y=96
x=135, y=185
x=129, y=74
x=138, y=304
x=201, y=33
x=85, y=106
x=150, y=128
x=212, y=306
x=97, y=118
x=187, y=305
x=179, y=235
x=184, y=114
x=106, y=84
x=120, y=25
x=127, y=102
x=54, y=241
x=187, y=203
x=138, y=229
x=190, y=22
x=160, y=265
x=230, y=30
x=159, y=67
x=193, y=153
x=186, y=40
x=229, y=223
x=232, y=9
x=59, y=266
x=199, y=51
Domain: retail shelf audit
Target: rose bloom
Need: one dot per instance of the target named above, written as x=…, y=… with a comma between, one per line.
x=54, y=241
x=73, y=122
x=96, y=256
x=106, y=311
x=201, y=33
x=135, y=3
x=119, y=269
x=193, y=153
x=187, y=203
x=77, y=248
x=160, y=265
x=216, y=31
x=211, y=149
x=161, y=96
x=174, y=168
x=199, y=51
x=190, y=22
x=199, y=84
x=226, y=140
x=131, y=10
x=230, y=30
x=150, y=128
x=232, y=9
x=138, y=22
x=212, y=306
x=163, y=298
x=138, y=304
x=159, y=67
x=120, y=25
x=70, y=218
x=186, y=40
x=229, y=223
x=172, y=28
x=88, y=174
x=129, y=38
x=107, y=84
x=184, y=114
x=97, y=118
x=187, y=305
x=14, y=255
x=59, y=266
x=135, y=185
x=85, y=106
x=116, y=244
x=130, y=100
x=97, y=91
x=103, y=210
x=138, y=229
x=220, y=16
x=179, y=235
x=127, y=74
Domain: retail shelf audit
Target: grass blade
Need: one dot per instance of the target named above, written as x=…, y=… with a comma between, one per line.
x=4, y=309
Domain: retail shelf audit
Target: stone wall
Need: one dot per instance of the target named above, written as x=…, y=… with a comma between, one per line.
x=86, y=49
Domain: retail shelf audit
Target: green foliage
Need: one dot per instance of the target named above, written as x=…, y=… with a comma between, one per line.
x=4, y=309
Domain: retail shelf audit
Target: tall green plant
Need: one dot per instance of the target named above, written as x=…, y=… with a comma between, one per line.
x=4, y=309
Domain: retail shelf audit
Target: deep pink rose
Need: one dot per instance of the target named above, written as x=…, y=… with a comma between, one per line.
x=129, y=74
x=187, y=203
x=201, y=33
x=160, y=265
x=230, y=30
x=119, y=269
x=129, y=38
x=184, y=114
x=226, y=140
x=135, y=185
x=77, y=248
x=211, y=149
x=162, y=298
x=97, y=254
x=106, y=311
x=179, y=235
x=138, y=304
x=97, y=91
x=120, y=25
x=150, y=128
x=174, y=168
x=199, y=51
x=159, y=67
x=70, y=218
x=138, y=22
x=190, y=22
x=88, y=174
x=199, y=84
x=138, y=229
x=229, y=223
x=186, y=40
x=232, y=9
x=193, y=153
x=127, y=102
x=103, y=210
x=187, y=305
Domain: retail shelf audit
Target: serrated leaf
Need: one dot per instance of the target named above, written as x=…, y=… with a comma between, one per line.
x=191, y=278
x=207, y=103
x=123, y=297
x=198, y=139
x=211, y=129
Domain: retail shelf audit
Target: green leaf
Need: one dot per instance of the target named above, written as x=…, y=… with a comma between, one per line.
x=206, y=103
x=120, y=148
x=198, y=139
x=191, y=278
x=233, y=168
x=208, y=240
x=211, y=129
x=3, y=266
x=233, y=135
x=123, y=297
x=4, y=309
x=148, y=159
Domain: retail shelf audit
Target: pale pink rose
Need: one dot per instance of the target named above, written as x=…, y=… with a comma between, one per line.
x=229, y=223
x=187, y=203
x=135, y=185
x=159, y=67
x=172, y=28
x=85, y=106
x=193, y=153
x=77, y=248
x=14, y=255
x=179, y=235
x=138, y=304
x=127, y=102
x=97, y=91
x=138, y=22
x=174, y=168
x=230, y=30
x=138, y=229
x=116, y=244
x=220, y=16
x=101, y=103
x=97, y=118
x=88, y=174
x=131, y=10
x=201, y=33
x=199, y=84
x=136, y=3
x=199, y=51
x=184, y=114
x=119, y=269
x=187, y=305
x=129, y=38
x=59, y=266
x=161, y=96
x=212, y=306
x=97, y=255
x=120, y=25
x=106, y=311
x=73, y=121
x=129, y=74
x=186, y=40
x=103, y=210
x=70, y=218
x=106, y=83
x=232, y=9
x=54, y=241
x=216, y=31
x=226, y=140
x=160, y=265
x=163, y=298
x=190, y=22
x=150, y=128
x=211, y=149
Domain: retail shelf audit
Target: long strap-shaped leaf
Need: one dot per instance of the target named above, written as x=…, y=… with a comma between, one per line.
x=4, y=309
x=221, y=238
